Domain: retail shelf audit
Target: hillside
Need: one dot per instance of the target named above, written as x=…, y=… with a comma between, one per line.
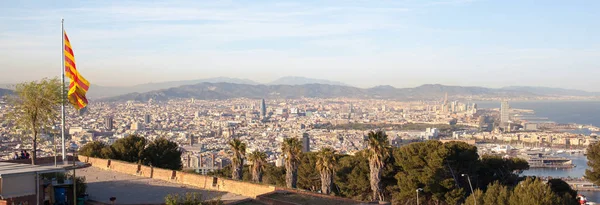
x=97, y=91
x=232, y=90
x=297, y=80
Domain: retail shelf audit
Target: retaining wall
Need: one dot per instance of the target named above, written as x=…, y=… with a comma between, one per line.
x=191, y=179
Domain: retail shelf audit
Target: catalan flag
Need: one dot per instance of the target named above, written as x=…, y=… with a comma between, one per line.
x=79, y=85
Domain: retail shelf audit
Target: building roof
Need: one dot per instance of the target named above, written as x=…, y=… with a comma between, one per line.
x=15, y=168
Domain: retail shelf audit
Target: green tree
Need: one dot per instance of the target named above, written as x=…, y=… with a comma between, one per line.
x=36, y=108
x=163, y=153
x=592, y=173
x=564, y=191
x=274, y=175
x=108, y=152
x=292, y=149
x=258, y=159
x=437, y=168
x=533, y=192
x=308, y=177
x=238, y=149
x=478, y=198
x=326, y=163
x=503, y=170
x=93, y=149
x=129, y=149
x=497, y=194
x=352, y=176
x=378, y=151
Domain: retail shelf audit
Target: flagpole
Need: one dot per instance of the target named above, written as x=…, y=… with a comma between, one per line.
x=62, y=93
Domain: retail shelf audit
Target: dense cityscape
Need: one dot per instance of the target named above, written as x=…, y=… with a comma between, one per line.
x=202, y=128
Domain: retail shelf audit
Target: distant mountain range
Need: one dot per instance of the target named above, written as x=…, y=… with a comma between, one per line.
x=293, y=87
x=232, y=90
x=97, y=91
x=296, y=80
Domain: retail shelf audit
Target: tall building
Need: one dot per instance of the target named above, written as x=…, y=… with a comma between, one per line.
x=263, y=108
x=108, y=122
x=305, y=142
x=192, y=140
x=147, y=118
x=504, y=112
x=137, y=126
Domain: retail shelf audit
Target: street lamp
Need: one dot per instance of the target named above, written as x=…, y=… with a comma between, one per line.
x=418, y=190
x=74, y=148
x=470, y=185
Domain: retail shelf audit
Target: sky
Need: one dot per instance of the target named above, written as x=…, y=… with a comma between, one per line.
x=404, y=43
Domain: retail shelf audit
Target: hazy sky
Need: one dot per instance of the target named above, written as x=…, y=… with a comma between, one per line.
x=362, y=43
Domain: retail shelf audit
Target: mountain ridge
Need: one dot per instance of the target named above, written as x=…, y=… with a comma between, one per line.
x=220, y=91
x=98, y=91
x=299, y=80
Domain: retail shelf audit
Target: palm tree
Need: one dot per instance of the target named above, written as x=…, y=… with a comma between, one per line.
x=258, y=159
x=326, y=163
x=239, y=150
x=377, y=153
x=291, y=148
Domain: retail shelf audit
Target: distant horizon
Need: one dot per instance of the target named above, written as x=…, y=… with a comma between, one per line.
x=483, y=43
x=4, y=84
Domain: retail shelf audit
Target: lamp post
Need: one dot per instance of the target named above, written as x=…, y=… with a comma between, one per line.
x=74, y=148
x=470, y=185
x=418, y=190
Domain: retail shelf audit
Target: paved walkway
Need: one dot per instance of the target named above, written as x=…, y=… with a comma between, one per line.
x=130, y=189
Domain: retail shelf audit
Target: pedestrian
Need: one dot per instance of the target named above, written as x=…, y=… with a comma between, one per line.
x=26, y=155
x=582, y=199
x=16, y=155
x=22, y=154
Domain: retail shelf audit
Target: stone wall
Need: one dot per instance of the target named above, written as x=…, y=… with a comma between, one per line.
x=96, y=162
x=191, y=179
x=163, y=174
x=146, y=171
x=124, y=167
x=248, y=189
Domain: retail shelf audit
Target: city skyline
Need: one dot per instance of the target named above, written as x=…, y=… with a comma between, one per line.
x=363, y=44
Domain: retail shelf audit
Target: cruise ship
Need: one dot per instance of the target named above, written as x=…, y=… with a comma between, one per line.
x=538, y=160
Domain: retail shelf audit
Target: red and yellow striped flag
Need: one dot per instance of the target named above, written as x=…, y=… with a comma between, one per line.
x=79, y=85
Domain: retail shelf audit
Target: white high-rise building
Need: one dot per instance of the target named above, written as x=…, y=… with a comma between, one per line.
x=504, y=112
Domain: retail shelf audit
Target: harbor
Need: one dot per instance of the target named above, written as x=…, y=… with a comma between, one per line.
x=547, y=163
